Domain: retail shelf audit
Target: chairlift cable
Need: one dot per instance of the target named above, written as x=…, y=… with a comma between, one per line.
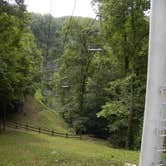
x=49, y=28
x=70, y=23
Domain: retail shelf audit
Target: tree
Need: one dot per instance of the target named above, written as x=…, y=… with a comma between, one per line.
x=126, y=30
x=73, y=73
x=19, y=58
x=83, y=75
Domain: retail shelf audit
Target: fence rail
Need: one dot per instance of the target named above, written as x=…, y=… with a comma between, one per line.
x=17, y=125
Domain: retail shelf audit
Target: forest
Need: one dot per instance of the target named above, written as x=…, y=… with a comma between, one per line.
x=92, y=71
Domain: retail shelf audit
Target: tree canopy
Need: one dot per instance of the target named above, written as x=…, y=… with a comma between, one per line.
x=19, y=58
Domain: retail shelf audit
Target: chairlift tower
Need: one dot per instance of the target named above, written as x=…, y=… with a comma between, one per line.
x=155, y=106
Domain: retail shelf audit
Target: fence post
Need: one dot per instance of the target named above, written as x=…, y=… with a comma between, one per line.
x=52, y=133
x=0, y=126
x=39, y=129
x=27, y=126
x=67, y=135
x=16, y=125
x=4, y=116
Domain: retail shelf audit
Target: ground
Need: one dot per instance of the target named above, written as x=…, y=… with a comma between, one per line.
x=25, y=148
x=22, y=148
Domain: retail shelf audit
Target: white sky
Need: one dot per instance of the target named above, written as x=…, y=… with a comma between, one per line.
x=61, y=7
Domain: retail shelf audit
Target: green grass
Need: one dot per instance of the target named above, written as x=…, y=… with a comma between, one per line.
x=37, y=114
x=22, y=148
x=25, y=148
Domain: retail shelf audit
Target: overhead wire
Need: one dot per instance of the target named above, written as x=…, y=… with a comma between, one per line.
x=49, y=21
x=90, y=30
x=91, y=23
x=45, y=61
x=70, y=24
x=48, y=34
x=49, y=28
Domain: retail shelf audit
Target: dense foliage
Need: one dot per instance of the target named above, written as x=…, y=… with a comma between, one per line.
x=20, y=61
x=126, y=30
x=80, y=96
x=102, y=92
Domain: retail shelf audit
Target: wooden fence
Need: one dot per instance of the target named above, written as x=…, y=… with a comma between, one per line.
x=16, y=125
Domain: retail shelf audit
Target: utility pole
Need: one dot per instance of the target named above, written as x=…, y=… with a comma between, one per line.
x=153, y=139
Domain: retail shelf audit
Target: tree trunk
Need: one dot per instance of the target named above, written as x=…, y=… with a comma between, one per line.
x=84, y=72
x=126, y=57
x=130, y=118
x=83, y=85
x=131, y=108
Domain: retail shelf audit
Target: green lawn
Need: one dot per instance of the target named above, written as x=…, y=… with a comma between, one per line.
x=22, y=148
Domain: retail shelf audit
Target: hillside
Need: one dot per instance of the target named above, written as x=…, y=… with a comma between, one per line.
x=35, y=113
x=21, y=147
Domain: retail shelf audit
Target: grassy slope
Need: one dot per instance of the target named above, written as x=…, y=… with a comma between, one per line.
x=25, y=148
x=37, y=114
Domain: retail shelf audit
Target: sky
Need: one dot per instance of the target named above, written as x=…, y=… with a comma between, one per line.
x=61, y=7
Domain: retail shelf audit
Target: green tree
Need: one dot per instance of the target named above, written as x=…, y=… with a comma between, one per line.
x=20, y=60
x=126, y=30
x=83, y=75
x=74, y=71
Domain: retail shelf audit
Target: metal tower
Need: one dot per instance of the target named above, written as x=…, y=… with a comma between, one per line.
x=155, y=106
